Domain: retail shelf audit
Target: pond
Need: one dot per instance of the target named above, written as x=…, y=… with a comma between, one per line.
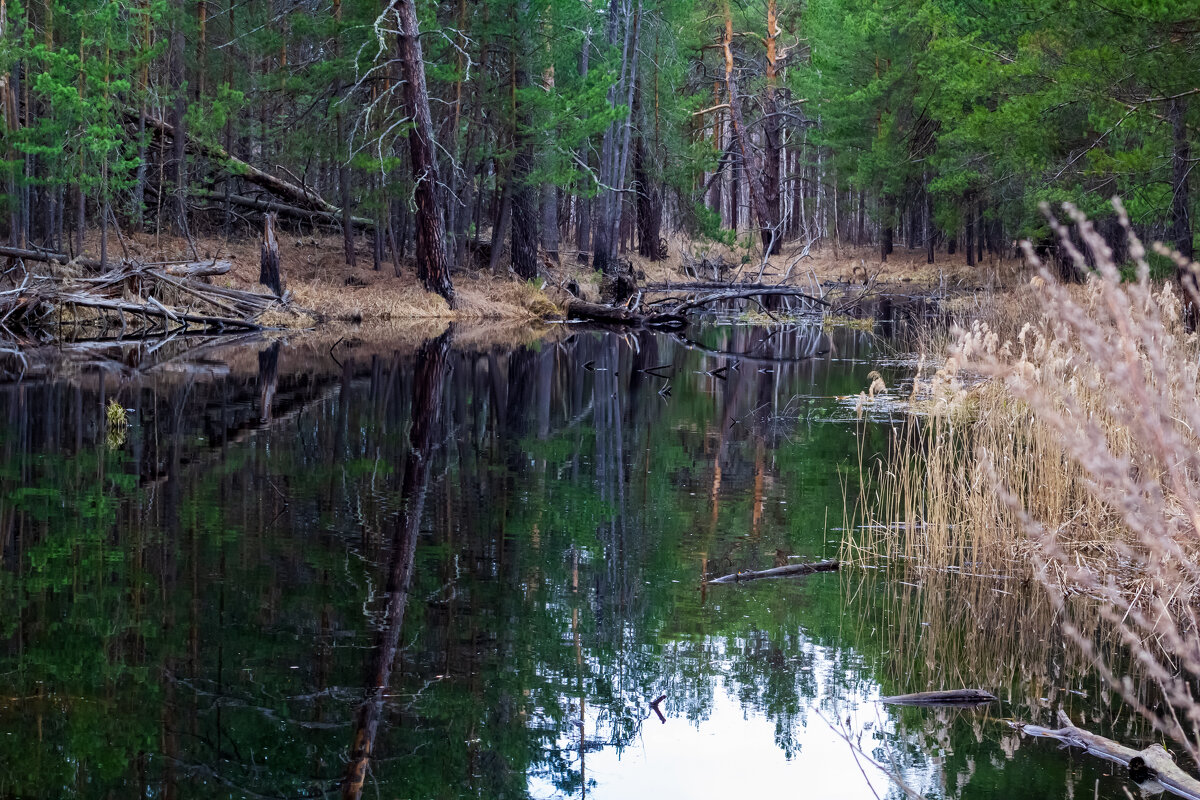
x=206, y=601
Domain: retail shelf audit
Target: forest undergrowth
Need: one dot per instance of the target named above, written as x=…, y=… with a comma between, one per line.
x=1057, y=449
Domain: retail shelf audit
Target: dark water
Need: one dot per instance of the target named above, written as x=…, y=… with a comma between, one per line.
x=209, y=603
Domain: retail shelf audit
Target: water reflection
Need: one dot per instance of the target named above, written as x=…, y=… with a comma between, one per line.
x=424, y=569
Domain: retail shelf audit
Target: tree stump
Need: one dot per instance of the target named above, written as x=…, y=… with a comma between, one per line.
x=268, y=274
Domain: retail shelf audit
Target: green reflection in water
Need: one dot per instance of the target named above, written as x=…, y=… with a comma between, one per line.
x=192, y=614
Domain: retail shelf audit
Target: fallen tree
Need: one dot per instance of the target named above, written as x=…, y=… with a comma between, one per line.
x=307, y=214
x=1151, y=763
x=619, y=315
x=779, y=572
x=943, y=697
x=741, y=293
x=299, y=196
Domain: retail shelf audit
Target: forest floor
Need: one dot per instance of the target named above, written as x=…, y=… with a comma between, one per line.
x=326, y=289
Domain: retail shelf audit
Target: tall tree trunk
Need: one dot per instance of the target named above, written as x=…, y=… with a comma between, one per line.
x=178, y=166
x=614, y=148
x=1181, y=220
x=524, y=193
x=928, y=221
x=887, y=224
x=979, y=231
x=861, y=236
x=343, y=168
x=550, y=220
x=714, y=192
x=432, y=267
x=772, y=133
x=969, y=232
x=8, y=123
x=428, y=383
x=753, y=171
x=649, y=199
x=583, y=224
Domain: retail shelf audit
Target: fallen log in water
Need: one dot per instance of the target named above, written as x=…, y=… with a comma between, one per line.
x=618, y=315
x=740, y=293
x=779, y=572
x=945, y=697
x=1152, y=763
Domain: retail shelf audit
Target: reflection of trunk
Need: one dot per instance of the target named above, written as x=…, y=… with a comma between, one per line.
x=427, y=400
x=268, y=379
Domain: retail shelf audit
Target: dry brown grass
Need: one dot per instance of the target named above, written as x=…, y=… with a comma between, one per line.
x=848, y=264
x=1070, y=452
x=326, y=289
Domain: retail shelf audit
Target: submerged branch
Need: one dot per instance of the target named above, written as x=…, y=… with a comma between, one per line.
x=780, y=572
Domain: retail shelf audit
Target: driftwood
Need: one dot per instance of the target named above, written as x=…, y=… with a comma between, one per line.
x=129, y=291
x=153, y=308
x=182, y=269
x=742, y=293
x=46, y=257
x=779, y=572
x=654, y=707
x=1152, y=763
x=619, y=315
x=946, y=697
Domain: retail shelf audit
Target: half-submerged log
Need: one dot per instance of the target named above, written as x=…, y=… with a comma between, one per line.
x=945, y=697
x=780, y=572
x=619, y=315
x=1152, y=763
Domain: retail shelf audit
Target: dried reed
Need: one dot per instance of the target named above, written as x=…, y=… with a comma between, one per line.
x=1070, y=452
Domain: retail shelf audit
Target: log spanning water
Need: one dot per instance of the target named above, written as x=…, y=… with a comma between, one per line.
x=1153, y=763
x=779, y=572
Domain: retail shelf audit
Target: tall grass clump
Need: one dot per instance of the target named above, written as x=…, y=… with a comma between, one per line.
x=1068, y=454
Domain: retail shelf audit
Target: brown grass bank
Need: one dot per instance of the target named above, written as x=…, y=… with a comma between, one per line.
x=325, y=288
x=1068, y=451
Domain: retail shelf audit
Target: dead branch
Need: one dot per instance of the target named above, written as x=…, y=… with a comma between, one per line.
x=780, y=572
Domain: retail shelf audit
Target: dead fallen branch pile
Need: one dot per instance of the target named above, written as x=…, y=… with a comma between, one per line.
x=132, y=297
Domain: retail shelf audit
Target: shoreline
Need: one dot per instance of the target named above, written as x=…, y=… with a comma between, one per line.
x=325, y=290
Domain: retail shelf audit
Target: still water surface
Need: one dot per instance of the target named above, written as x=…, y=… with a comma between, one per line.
x=205, y=604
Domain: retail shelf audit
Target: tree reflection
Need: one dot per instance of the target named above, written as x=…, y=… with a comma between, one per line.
x=512, y=538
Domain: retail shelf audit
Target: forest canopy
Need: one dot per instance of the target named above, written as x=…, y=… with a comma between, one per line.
x=595, y=127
